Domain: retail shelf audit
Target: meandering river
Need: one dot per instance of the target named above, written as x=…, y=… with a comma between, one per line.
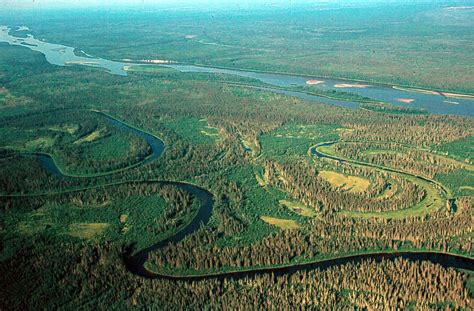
x=156, y=145
x=62, y=55
x=135, y=262
x=433, y=102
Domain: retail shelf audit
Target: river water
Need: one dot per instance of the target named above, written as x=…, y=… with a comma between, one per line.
x=61, y=55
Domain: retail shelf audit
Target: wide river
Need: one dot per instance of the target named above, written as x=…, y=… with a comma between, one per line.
x=434, y=102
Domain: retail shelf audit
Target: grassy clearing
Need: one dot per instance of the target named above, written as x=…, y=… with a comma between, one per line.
x=113, y=147
x=207, y=133
x=41, y=142
x=328, y=150
x=66, y=128
x=281, y=223
x=299, y=208
x=352, y=184
x=87, y=230
x=123, y=218
x=379, y=151
x=91, y=136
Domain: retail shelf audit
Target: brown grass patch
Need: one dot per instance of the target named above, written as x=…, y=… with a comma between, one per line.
x=87, y=230
x=352, y=184
x=281, y=223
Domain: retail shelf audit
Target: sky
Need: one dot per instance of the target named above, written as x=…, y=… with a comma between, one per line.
x=110, y=3
x=42, y=4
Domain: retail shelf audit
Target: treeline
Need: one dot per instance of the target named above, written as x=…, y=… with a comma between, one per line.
x=24, y=174
x=67, y=275
x=176, y=197
x=332, y=93
x=389, y=108
x=178, y=213
x=364, y=285
x=329, y=236
x=423, y=131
